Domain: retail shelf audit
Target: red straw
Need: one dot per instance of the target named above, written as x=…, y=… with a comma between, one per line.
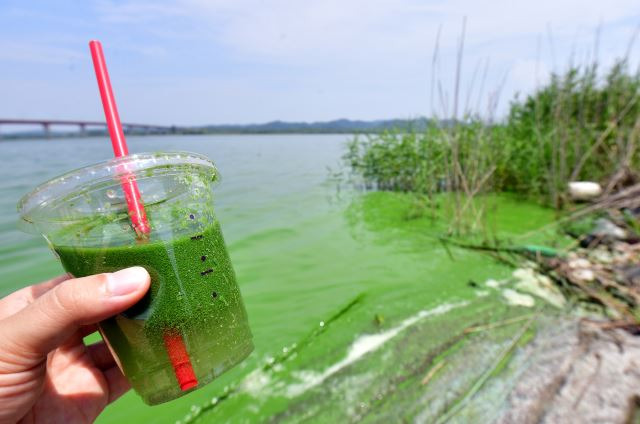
x=180, y=360
x=129, y=186
x=172, y=339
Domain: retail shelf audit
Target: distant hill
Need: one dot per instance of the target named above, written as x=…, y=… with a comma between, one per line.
x=338, y=126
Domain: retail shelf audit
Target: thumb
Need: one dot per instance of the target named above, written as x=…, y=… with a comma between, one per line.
x=52, y=318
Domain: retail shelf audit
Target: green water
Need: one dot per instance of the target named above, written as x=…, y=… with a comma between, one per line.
x=302, y=248
x=193, y=291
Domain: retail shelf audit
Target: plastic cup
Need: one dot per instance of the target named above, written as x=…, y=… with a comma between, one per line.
x=192, y=325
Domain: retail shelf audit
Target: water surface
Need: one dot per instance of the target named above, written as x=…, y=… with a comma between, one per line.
x=301, y=249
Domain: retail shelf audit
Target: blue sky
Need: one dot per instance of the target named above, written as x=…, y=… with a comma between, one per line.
x=189, y=62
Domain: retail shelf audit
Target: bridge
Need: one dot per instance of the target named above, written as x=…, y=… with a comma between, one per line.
x=82, y=125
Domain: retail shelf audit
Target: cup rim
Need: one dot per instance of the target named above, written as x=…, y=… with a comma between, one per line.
x=64, y=184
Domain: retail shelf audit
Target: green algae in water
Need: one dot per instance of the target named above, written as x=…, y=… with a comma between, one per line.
x=193, y=290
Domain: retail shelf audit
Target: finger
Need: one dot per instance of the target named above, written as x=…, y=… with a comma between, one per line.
x=52, y=318
x=101, y=355
x=18, y=300
x=87, y=330
x=77, y=338
x=117, y=383
x=38, y=290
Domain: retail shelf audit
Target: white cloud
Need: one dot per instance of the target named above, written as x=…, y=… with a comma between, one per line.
x=310, y=32
x=286, y=29
x=137, y=12
x=529, y=74
x=31, y=52
x=250, y=60
x=370, y=40
x=374, y=31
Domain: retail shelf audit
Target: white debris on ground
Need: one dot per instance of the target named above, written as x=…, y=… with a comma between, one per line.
x=523, y=283
x=584, y=190
x=527, y=280
x=518, y=299
x=580, y=269
x=491, y=283
x=606, y=228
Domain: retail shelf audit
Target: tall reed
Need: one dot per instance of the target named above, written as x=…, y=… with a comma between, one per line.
x=456, y=154
x=584, y=124
x=581, y=126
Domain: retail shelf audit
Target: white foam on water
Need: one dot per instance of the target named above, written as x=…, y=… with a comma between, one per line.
x=256, y=382
x=361, y=346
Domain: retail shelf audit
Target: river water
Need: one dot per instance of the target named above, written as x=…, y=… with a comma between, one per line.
x=302, y=246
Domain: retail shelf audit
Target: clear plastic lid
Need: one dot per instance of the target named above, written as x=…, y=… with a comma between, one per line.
x=94, y=192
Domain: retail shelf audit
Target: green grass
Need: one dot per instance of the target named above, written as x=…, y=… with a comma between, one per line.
x=583, y=125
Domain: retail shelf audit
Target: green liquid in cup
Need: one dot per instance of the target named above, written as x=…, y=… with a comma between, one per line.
x=193, y=291
x=192, y=321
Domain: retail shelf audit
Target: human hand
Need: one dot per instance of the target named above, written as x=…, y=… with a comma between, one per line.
x=47, y=374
